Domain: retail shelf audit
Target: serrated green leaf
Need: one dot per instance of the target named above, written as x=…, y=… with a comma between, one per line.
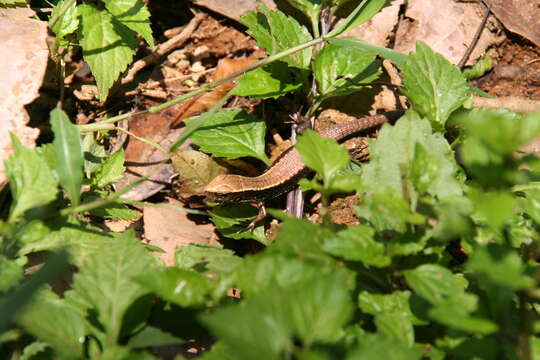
x=108, y=46
x=501, y=266
x=393, y=156
x=153, y=336
x=104, y=284
x=35, y=349
x=52, y=320
x=325, y=156
x=434, y=86
x=183, y=287
x=31, y=182
x=376, y=347
x=110, y=171
x=340, y=70
x=68, y=22
x=11, y=273
x=94, y=154
x=69, y=156
x=232, y=134
x=357, y=243
x=134, y=14
x=211, y=258
x=434, y=283
x=116, y=211
x=275, y=32
x=231, y=221
x=362, y=13
x=354, y=44
x=271, y=81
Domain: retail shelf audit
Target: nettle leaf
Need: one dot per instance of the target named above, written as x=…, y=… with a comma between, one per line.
x=376, y=347
x=211, y=258
x=357, y=45
x=12, y=273
x=68, y=22
x=434, y=282
x=500, y=265
x=108, y=46
x=31, y=182
x=433, y=85
x=104, y=284
x=231, y=220
x=182, y=287
x=274, y=31
x=69, y=155
x=271, y=81
x=325, y=156
x=341, y=70
x=357, y=243
x=231, y=134
x=393, y=158
x=110, y=171
x=134, y=14
x=53, y=320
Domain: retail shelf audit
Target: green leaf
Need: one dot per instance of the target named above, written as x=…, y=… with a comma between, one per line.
x=69, y=156
x=495, y=208
x=153, y=336
x=433, y=85
x=339, y=70
x=393, y=158
x=104, y=284
x=11, y=273
x=393, y=317
x=376, y=347
x=271, y=81
x=362, y=13
x=116, y=211
x=219, y=351
x=232, y=134
x=94, y=154
x=481, y=67
x=434, y=283
x=108, y=46
x=357, y=243
x=60, y=324
x=110, y=171
x=212, y=258
x=275, y=32
x=31, y=182
x=34, y=350
x=500, y=265
x=231, y=221
x=134, y=14
x=183, y=287
x=68, y=22
x=311, y=8
x=354, y=44
x=325, y=156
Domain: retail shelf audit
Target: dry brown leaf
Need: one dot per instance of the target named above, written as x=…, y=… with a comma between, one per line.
x=203, y=102
x=170, y=229
x=23, y=65
x=519, y=16
x=195, y=170
x=446, y=26
x=233, y=9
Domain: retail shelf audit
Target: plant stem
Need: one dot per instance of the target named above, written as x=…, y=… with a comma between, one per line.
x=146, y=141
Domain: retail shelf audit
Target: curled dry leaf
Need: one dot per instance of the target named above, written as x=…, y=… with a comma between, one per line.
x=199, y=104
x=518, y=16
x=446, y=26
x=21, y=76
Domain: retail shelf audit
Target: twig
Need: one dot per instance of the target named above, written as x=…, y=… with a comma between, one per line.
x=164, y=48
x=512, y=103
x=476, y=37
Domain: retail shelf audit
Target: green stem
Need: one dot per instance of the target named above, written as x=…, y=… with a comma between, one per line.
x=146, y=141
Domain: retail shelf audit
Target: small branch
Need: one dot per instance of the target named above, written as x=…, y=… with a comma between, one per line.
x=476, y=37
x=512, y=103
x=163, y=48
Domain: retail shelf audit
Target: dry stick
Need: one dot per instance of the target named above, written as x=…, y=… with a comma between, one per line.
x=476, y=37
x=512, y=103
x=164, y=48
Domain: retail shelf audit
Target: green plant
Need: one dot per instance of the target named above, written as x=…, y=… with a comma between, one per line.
x=443, y=264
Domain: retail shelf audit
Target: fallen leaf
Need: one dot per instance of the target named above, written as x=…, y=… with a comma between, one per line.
x=518, y=16
x=233, y=9
x=22, y=73
x=203, y=102
x=447, y=27
x=170, y=229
